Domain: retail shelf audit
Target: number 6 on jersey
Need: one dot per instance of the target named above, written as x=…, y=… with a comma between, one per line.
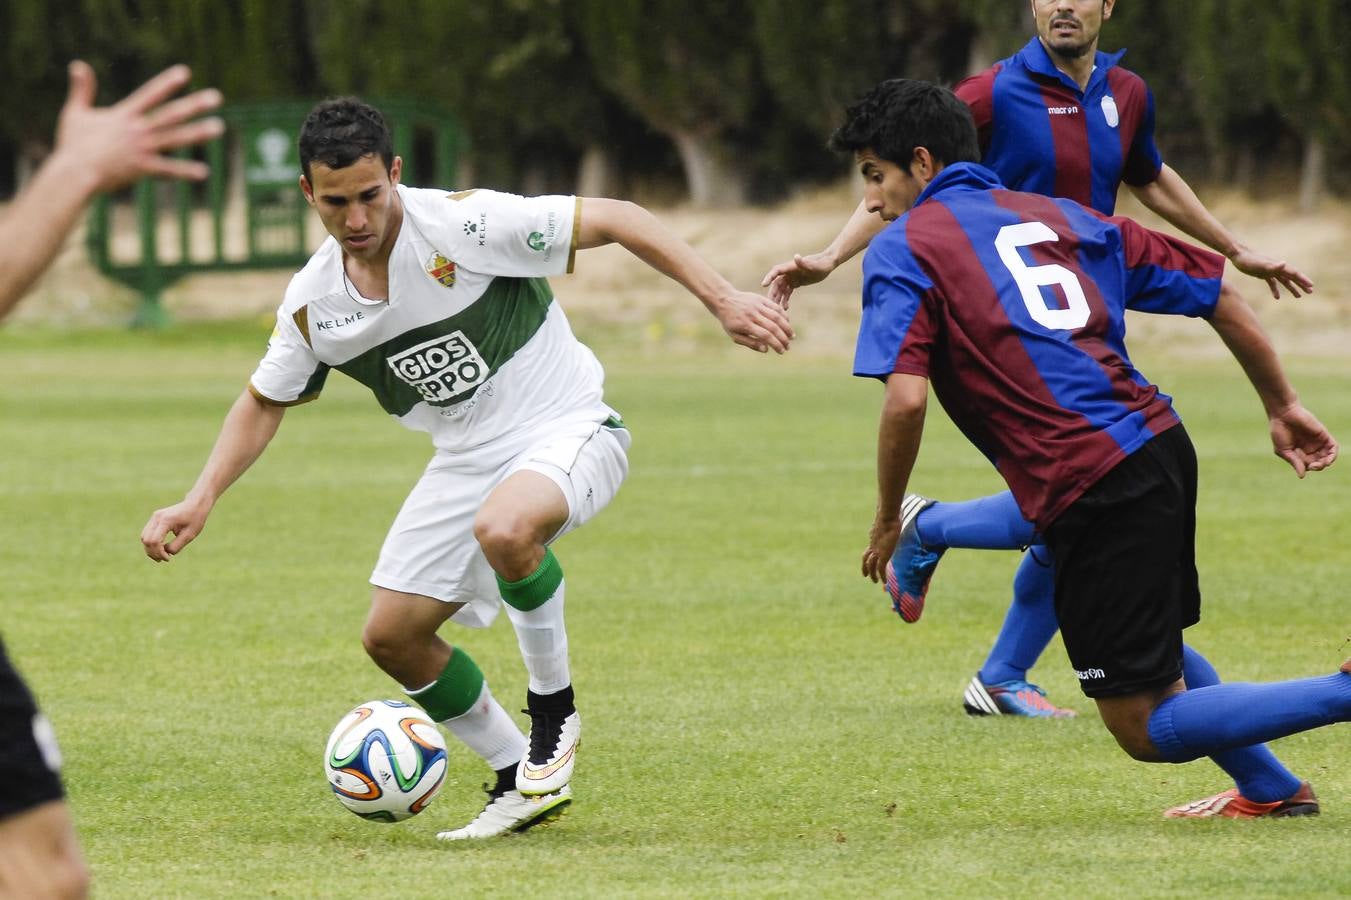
x=1030, y=279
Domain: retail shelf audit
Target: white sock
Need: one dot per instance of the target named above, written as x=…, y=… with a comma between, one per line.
x=489, y=731
x=544, y=643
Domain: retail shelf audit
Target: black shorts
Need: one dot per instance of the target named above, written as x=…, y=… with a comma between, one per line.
x=28, y=756
x=1126, y=582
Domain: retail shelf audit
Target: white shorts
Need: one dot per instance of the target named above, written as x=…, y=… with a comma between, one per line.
x=430, y=548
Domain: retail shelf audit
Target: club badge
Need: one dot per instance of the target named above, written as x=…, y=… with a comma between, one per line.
x=442, y=269
x=1109, y=111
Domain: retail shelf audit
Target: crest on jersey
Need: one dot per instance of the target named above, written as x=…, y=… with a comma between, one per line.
x=442, y=269
x=1109, y=111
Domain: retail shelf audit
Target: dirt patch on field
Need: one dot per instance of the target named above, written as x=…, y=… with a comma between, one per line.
x=611, y=287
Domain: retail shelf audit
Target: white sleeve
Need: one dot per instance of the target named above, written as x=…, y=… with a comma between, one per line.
x=289, y=373
x=507, y=234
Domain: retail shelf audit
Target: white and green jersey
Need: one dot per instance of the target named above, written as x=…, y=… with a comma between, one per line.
x=470, y=345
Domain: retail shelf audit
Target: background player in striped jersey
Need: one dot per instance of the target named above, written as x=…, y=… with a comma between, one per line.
x=1064, y=119
x=97, y=149
x=957, y=292
x=438, y=302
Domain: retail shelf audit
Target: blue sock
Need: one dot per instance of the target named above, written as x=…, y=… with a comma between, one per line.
x=990, y=523
x=1256, y=771
x=1030, y=623
x=1208, y=720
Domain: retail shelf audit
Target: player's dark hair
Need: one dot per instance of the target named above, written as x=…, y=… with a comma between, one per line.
x=340, y=131
x=901, y=114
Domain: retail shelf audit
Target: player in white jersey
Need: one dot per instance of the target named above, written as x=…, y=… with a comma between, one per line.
x=438, y=303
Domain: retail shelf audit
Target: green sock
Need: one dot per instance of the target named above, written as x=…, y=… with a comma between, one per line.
x=454, y=691
x=532, y=590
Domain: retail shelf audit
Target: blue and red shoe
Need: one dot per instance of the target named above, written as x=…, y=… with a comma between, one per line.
x=912, y=565
x=1011, y=698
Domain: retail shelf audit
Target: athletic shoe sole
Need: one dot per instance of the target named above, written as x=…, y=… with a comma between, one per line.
x=544, y=812
x=1231, y=804
x=552, y=812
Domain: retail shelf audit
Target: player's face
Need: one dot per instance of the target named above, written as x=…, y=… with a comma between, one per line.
x=357, y=204
x=888, y=189
x=1070, y=27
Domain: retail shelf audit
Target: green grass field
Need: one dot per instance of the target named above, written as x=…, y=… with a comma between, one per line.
x=758, y=722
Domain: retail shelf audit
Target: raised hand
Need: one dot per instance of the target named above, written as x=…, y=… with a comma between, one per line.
x=132, y=138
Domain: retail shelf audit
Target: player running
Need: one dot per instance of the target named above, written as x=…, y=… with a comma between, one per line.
x=1063, y=119
x=438, y=303
x=1094, y=454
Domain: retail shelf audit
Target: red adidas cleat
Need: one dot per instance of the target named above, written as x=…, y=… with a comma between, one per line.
x=1233, y=805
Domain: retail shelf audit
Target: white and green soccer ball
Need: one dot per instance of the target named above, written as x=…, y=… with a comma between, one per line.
x=385, y=760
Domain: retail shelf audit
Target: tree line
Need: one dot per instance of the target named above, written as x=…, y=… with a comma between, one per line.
x=721, y=101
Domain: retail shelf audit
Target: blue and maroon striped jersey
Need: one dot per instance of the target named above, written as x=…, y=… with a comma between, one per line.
x=1013, y=306
x=1040, y=133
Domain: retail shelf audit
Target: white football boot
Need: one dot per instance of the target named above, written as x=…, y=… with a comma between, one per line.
x=510, y=813
x=547, y=766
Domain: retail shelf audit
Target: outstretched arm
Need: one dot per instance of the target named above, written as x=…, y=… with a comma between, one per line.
x=749, y=319
x=801, y=270
x=898, y=439
x=1173, y=199
x=248, y=428
x=98, y=149
x=1296, y=435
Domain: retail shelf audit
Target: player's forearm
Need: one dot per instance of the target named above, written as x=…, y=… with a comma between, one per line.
x=606, y=221
x=1239, y=328
x=1172, y=198
x=248, y=428
x=855, y=236
x=898, y=440
x=34, y=227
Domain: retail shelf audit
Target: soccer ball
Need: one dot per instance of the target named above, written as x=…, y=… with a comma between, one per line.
x=385, y=761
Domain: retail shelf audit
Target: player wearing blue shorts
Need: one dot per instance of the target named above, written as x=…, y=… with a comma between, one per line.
x=97, y=149
x=1012, y=304
x=1063, y=119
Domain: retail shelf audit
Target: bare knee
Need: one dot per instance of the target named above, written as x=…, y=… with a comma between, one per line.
x=40, y=856
x=509, y=542
x=70, y=876
x=1137, y=744
x=391, y=638
x=1127, y=718
x=400, y=635
x=63, y=877
x=382, y=643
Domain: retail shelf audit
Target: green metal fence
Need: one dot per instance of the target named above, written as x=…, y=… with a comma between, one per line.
x=183, y=228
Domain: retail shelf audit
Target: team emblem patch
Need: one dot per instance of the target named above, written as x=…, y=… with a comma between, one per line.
x=442, y=269
x=1109, y=112
x=441, y=369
